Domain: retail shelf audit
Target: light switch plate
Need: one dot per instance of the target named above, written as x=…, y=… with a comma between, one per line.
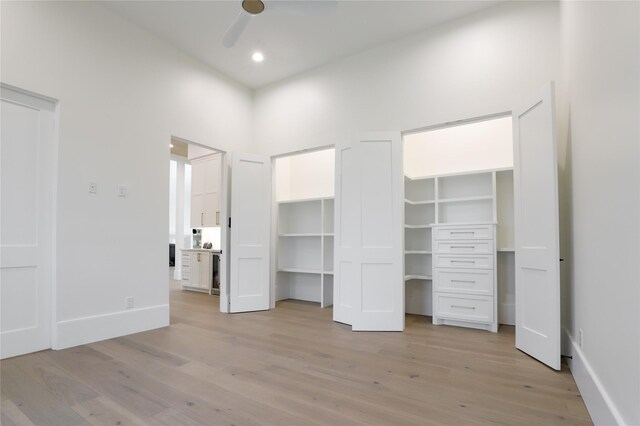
x=93, y=188
x=122, y=190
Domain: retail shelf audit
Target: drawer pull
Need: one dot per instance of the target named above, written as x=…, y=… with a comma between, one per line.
x=463, y=247
x=463, y=281
x=463, y=232
x=463, y=307
x=463, y=261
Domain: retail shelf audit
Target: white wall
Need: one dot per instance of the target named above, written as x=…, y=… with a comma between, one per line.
x=481, y=145
x=307, y=175
x=602, y=68
x=123, y=94
x=479, y=65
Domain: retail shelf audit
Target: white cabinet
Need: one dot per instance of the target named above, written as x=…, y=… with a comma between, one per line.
x=205, y=191
x=197, y=270
x=464, y=282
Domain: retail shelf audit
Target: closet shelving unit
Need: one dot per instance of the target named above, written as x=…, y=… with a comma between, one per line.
x=419, y=214
x=305, y=250
x=470, y=199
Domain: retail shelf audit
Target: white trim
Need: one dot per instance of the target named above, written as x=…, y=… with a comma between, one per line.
x=599, y=404
x=302, y=151
x=81, y=331
x=29, y=93
x=457, y=122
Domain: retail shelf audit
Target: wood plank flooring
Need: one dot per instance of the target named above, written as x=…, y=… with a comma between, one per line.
x=289, y=366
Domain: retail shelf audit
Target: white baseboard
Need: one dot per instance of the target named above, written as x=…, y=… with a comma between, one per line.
x=507, y=313
x=81, y=331
x=599, y=404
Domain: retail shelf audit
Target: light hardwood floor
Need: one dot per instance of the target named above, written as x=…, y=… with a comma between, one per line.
x=289, y=366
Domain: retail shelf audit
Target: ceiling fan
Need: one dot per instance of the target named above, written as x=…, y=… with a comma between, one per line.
x=251, y=8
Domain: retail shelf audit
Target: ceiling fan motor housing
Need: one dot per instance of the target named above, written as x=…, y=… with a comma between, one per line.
x=253, y=7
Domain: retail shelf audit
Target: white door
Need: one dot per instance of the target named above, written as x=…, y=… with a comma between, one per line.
x=537, y=229
x=27, y=154
x=378, y=231
x=344, y=239
x=250, y=231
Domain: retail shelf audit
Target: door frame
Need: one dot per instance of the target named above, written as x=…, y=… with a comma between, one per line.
x=53, y=234
x=224, y=219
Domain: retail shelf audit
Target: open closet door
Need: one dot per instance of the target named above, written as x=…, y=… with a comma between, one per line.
x=344, y=241
x=378, y=304
x=537, y=229
x=250, y=230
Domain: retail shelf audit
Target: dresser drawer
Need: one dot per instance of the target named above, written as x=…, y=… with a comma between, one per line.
x=465, y=308
x=470, y=232
x=476, y=282
x=463, y=261
x=464, y=247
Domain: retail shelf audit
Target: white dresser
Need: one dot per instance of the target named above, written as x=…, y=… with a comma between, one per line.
x=464, y=275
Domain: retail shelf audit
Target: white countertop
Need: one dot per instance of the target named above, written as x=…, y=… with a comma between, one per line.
x=201, y=249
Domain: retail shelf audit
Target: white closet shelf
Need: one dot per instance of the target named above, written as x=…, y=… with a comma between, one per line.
x=304, y=200
x=419, y=203
x=418, y=178
x=417, y=277
x=417, y=226
x=327, y=272
x=328, y=234
x=507, y=249
x=301, y=235
x=417, y=252
x=463, y=199
x=300, y=270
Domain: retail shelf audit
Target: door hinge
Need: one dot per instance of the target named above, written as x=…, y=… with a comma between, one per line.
x=229, y=222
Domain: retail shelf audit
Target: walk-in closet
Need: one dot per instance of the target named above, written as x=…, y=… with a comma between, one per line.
x=303, y=212
x=458, y=224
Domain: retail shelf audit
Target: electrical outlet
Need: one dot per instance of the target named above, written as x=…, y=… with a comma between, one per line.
x=93, y=188
x=122, y=190
x=580, y=338
x=128, y=302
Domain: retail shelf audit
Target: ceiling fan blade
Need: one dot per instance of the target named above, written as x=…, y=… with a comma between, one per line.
x=235, y=30
x=303, y=7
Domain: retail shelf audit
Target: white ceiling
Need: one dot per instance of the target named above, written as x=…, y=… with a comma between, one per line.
x=291, y=43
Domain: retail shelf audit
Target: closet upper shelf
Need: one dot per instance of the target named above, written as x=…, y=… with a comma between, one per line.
x=463, y=199
x=419, y=203
x=305, y=200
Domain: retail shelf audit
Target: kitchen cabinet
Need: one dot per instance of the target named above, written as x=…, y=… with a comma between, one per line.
x=205, y=191
x=197, y=270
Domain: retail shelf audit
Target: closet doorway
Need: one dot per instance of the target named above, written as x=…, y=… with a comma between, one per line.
x=303, y=227
x=459, y=224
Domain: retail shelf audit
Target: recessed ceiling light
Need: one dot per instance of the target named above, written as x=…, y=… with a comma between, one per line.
x=170, y=145
x=257, y=57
